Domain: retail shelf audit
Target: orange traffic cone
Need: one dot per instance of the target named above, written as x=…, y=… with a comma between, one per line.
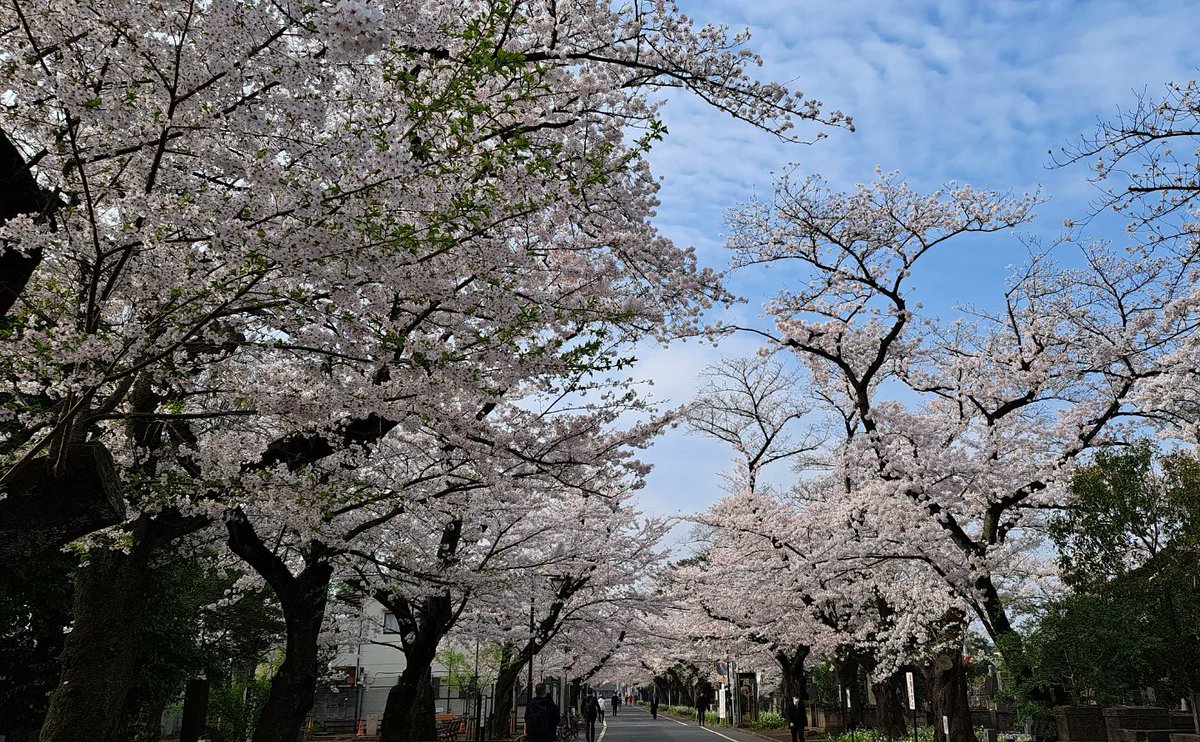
x=362, y=729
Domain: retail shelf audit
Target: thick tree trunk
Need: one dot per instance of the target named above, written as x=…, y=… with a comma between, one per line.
x=947, y=682
x=847, y=670
x=889, y=702
x=409, y=715
x=791, y=665
x=44, y=509
x=103, y=649
x=502, y=704
x=195, y=710
x=295, y=682
x=22, y=195
x=303, y=598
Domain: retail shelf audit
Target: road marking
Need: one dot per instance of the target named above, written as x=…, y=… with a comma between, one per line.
x=731, y=739
x=705, y=728
x=603, y=731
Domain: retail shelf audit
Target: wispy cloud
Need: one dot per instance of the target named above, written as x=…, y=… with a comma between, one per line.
x=972, y=90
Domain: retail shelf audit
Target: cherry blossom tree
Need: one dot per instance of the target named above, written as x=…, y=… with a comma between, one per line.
x=438, y=545
x=952, y=471
x=594, y=572
x=235, y=253
x=217, y=163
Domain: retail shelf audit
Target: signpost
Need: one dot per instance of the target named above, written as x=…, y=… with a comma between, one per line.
x=912, y=700
x=850, y=713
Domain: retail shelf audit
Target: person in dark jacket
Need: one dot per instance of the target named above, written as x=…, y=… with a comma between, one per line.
x=616, y=702
x=701, y=707
x=541, y=717
x=654, y=706
x=793, y=713
x=591, y=712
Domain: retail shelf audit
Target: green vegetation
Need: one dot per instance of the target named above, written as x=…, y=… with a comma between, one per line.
x=1129, y=542
x=768, y=721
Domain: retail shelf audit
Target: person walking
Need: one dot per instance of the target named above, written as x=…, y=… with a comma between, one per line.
x=654, y=706
x=701, y=706
x=616, y=701
x=793, y=713
x=591, y=712
x=541, y=717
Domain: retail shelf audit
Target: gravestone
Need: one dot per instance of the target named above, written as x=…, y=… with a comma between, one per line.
x=1153, y=722
x=1080, y=724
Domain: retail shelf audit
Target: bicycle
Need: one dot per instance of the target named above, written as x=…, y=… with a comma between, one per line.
x=568, y=730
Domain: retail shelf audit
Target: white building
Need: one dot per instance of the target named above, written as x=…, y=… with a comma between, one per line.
x=366, y=669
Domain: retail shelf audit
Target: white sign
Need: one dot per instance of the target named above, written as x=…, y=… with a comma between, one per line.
x=912, y=692
x=721, y=703
x=946, y=726
x=848, y=703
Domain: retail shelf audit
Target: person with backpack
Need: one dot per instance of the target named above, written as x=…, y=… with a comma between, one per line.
x=654, y=706
x=591, y=712
x=541, y=717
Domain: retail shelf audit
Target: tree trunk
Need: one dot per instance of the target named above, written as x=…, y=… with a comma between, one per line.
x=303, y=599
x=847, y=670
x=295, y=682
x=409, y=714
x=103, y=649
x=502, y=703
x=22, y=195
x=45, y=509
x=1011, y=646
x=195, y=710
x=889, y=702
x=791, y=666
x=948, y=695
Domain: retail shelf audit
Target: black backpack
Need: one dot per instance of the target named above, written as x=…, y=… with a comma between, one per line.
x=537, y=717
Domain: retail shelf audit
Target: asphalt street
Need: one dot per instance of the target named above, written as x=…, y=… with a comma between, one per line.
x=634, y=724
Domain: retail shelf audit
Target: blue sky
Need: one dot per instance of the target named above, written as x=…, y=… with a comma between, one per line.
x=974, y=91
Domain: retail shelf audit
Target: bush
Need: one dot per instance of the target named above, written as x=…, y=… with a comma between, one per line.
x=767, y=720
x=873, y=735
x=924, y=734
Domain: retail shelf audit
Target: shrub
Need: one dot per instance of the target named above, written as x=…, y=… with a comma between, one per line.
x=767, y=720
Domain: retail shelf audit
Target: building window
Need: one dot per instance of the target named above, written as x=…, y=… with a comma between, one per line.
x=390, y=624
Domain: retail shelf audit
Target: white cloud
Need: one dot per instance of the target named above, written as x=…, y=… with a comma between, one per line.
x=940, y=89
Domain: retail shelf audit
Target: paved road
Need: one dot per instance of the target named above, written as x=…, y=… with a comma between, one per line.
x=634, y=724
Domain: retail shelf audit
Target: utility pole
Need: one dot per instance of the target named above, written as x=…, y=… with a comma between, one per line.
x=529, y=686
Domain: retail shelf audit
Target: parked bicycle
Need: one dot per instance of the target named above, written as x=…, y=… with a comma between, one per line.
x=568, y=729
